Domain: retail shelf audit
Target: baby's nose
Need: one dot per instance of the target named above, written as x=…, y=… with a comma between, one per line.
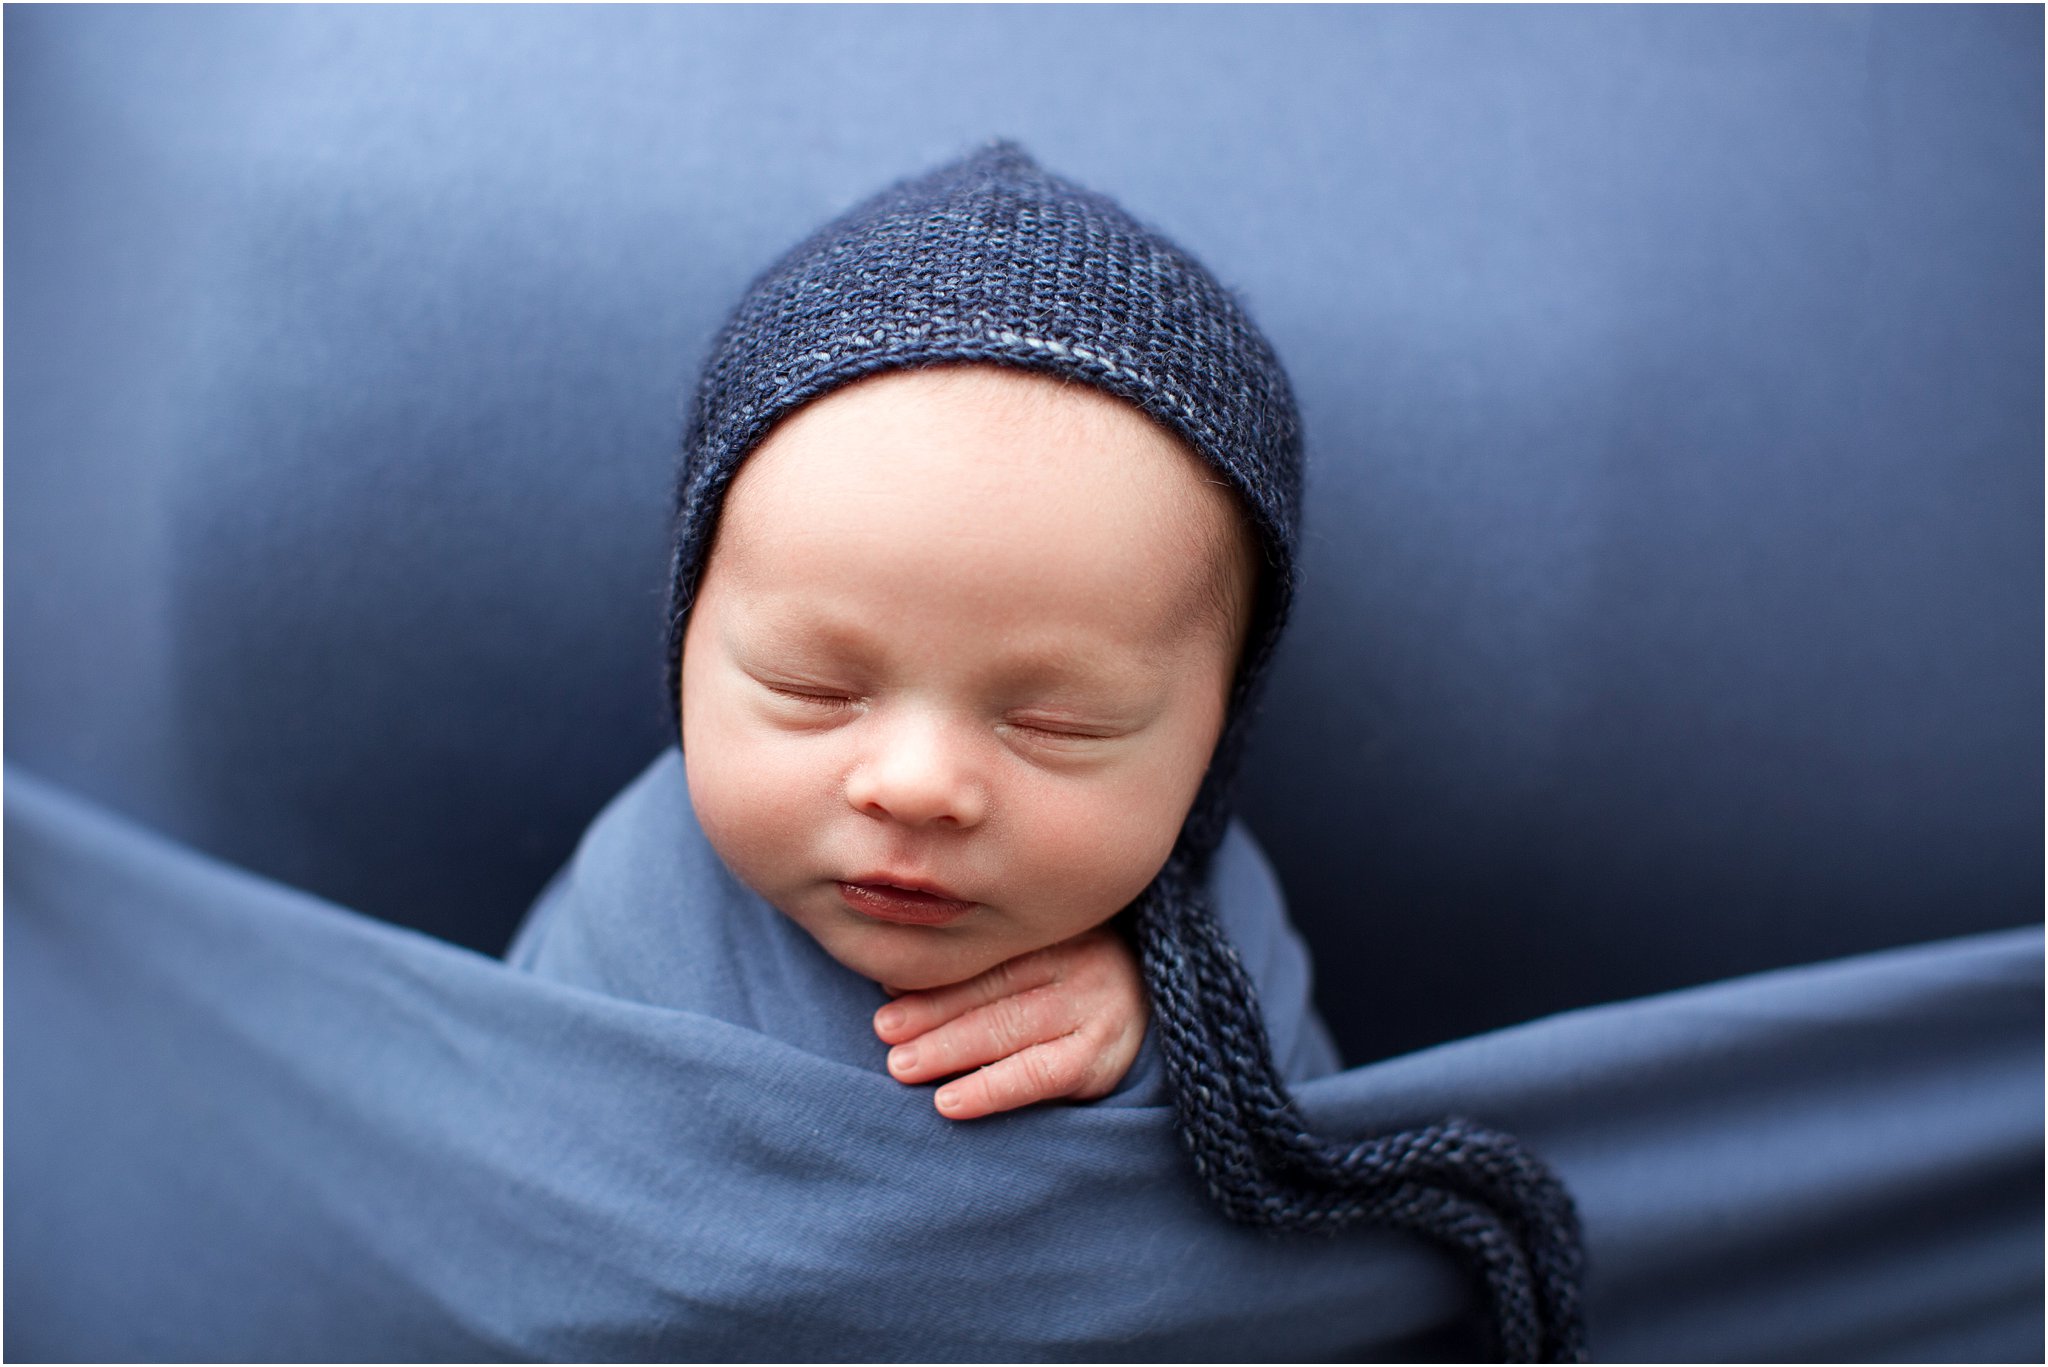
x=918, y=775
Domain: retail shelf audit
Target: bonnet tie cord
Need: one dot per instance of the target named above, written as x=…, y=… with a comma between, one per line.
x=1476, y=1191
x=1486, y=1164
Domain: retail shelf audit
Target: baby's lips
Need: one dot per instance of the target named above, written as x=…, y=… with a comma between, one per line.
x=893, y=902
x=909, y=884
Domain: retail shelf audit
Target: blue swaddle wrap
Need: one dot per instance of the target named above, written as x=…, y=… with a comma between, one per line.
x=646, y=912
x=244, y=1123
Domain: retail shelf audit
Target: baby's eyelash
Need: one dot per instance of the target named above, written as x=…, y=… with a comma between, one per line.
x=827, y=700
x=1055, y=733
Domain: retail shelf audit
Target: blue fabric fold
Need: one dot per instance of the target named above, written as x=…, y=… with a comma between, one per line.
x=243, y=1123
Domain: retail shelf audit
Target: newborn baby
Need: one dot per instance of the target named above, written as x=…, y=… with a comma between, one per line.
x=955, y=669
x=986, y=531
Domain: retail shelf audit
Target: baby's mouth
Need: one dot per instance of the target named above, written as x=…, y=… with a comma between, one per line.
x=882, y=901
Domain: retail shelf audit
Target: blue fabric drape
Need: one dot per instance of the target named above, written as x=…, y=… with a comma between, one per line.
x=244, y=1123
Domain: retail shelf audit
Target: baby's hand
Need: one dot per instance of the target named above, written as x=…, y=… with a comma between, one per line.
x=1064, y=1021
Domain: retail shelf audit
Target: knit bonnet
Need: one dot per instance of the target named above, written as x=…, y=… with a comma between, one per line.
x=991, y=259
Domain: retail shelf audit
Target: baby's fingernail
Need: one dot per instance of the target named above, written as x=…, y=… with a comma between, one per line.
x=903, y=1058
x=889, y=1017
x=949, y=1100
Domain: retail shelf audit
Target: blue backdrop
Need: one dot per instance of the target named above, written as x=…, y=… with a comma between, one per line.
x=1673, y=381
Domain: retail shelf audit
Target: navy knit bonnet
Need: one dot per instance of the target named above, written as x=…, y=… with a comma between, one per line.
x=993, y=260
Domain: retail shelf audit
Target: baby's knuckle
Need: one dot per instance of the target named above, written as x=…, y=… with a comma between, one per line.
x=1099, y=1036
x=1008, y=1024
x=1046, y=1010
x=997, y=981
x=1002, y=1089
x=1042, y=1074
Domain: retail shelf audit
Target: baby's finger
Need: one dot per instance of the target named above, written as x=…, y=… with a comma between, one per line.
x=914, y=1013
x=987, y=1033
x=1041, y=1073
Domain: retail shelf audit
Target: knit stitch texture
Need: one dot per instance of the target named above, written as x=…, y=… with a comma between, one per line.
x=991, y=259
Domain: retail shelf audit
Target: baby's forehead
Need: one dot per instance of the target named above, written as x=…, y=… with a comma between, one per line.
x=980, y=444
x=996, y=472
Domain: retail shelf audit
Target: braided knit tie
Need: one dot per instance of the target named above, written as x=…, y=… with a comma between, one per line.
x=1473, y=1190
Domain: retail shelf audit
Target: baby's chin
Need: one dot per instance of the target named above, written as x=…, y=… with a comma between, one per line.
x=912, y=958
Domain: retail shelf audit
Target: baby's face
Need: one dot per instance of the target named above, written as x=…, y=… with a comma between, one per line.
x=957, y=664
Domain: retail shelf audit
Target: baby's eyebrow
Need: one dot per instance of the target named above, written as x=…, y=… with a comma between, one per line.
x=784, y=623
x=1048, y=665
x=1065, y=677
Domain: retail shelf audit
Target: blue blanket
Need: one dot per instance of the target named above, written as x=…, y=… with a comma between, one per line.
x=243, y=1123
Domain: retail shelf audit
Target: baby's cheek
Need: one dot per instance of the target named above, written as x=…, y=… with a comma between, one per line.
x=754, y=800
x=1102, y=848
